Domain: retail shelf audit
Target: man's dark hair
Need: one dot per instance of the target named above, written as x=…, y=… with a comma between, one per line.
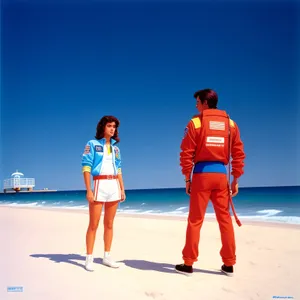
x=209, y=95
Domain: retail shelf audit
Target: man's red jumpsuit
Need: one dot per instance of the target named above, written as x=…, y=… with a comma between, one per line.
x=205, y=149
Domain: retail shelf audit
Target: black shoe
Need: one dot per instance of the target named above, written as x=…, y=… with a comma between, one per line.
x=228, y=270
x=184, y=269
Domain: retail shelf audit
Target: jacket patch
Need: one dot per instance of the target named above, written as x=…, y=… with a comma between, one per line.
x=87, y=149
x=186, y=130
x=214, y=141
x=98, y=148
x=215, y=125
x=117, y=152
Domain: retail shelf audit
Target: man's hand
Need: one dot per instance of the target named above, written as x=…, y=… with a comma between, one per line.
x=188, y=187
x=234, y=188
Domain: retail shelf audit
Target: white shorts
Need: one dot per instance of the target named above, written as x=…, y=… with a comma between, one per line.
x=107, y=190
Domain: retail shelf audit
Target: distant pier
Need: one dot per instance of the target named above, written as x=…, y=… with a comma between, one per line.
x=17, y=183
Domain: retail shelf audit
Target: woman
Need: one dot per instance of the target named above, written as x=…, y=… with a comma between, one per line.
x=102, y=160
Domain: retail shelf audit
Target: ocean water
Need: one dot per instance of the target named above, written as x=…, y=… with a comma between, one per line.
x=267, y=204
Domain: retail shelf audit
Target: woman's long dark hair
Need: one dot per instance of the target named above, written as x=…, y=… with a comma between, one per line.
x=101, y=127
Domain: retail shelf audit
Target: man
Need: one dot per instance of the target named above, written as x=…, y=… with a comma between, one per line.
x=210, y=139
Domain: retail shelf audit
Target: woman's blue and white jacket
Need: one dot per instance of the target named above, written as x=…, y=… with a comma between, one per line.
x=93, y=156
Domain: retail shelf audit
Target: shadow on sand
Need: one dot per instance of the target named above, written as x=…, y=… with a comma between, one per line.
x=143, y=265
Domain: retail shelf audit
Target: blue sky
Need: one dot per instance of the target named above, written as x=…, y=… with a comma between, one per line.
x=66, y=65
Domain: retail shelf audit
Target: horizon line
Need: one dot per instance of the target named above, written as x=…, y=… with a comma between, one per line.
x=164, y=188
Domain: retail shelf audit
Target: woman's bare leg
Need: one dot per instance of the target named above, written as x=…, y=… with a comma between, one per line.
x=109, y=216
x=95, y=213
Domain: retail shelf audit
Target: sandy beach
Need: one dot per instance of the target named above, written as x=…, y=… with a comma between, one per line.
x=43, y=251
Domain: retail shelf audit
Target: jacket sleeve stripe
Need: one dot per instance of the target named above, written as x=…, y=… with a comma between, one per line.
x=197, y=123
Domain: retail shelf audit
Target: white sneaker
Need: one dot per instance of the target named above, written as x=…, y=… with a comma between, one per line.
x=89, y=263
x=108, y=261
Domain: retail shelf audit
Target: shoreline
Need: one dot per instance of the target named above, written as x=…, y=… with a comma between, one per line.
x=210, y=219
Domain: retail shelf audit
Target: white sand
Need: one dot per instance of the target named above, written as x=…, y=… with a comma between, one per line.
x=43, y=251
